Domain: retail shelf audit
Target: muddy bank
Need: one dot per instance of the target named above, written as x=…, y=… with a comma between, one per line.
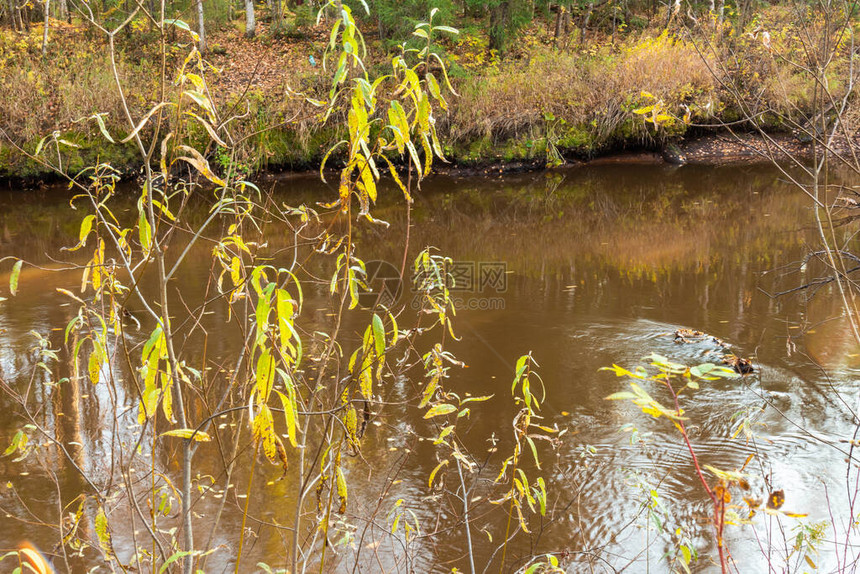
x=708, y=149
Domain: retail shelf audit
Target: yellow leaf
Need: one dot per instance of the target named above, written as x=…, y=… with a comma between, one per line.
x=198, y=436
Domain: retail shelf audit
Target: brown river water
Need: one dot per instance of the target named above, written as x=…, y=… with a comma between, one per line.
x=585, y=268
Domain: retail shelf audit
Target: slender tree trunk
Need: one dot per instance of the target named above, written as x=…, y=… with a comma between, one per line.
x=614, y=23
x=250, y=21
x=721, y=10
x=13, y=14
x=201, y=27
x=674, y=10
x=565, y=27
x=585, y=20
x=276, y=14
x=558, y=20
x=47, y=25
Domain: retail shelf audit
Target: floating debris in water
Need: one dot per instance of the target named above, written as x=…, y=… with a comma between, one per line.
x=741, y=366
x=688, y=336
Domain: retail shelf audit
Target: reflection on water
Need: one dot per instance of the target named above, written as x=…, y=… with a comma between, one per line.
x=600, y=265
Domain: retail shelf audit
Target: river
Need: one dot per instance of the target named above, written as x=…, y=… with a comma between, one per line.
x=584, y=268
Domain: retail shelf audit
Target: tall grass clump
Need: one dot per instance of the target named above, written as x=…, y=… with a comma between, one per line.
x=593, y=93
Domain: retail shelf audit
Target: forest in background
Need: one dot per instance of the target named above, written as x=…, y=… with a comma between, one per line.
x=536, y=81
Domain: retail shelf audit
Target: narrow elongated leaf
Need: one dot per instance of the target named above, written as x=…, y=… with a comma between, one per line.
x=435, y=471
x=438, y=410
x=199, y=163
x=13, y=278
x=290, y=416
x=101, y=121
x=166, y=566
x=621, y=396
x=144, y=121
x=103, y=534
x=265, y=375
x=378, y=336
x=198, y=436
x=341, y=489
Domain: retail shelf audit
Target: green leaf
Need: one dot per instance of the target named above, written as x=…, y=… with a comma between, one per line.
x=172, y=559
x=448, y=29
x=101, y=121
x=534, y=451
x=520, y=369
x=145, y=233
x=702, y=370
x=378, y=336
x=40, y=145
x=17, y=441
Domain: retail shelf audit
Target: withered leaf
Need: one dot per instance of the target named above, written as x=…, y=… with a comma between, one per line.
x=776, y=499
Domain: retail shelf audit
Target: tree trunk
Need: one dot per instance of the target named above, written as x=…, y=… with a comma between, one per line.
x=499, y=25
x=63, y=11
x=585, y=20
x=47, y=25
x=614, y=23
x=13, y=15
x=201, y=27
x=558, y=19
x=250, y=22
x=277, y=11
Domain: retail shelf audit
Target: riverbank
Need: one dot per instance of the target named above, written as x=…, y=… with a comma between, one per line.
x=541, y=105
x=712, y=149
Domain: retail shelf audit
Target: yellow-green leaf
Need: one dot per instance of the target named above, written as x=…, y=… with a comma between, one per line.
x=13, y=278
x=103, y=534
x=198, y=436
x=435, y=471
x=438, y=410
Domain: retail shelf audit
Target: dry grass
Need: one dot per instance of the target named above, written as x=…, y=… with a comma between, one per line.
x=596, y=89
x=74, y=81
x=589, y=95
